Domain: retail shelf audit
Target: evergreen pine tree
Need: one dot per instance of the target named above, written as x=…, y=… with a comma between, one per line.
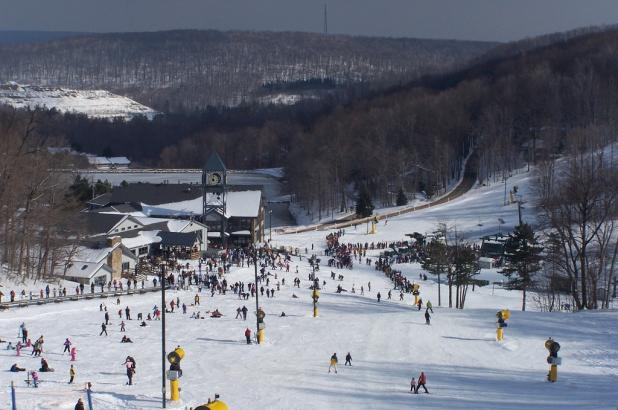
x=401, y=198
x=364, y=206
x=522, y=259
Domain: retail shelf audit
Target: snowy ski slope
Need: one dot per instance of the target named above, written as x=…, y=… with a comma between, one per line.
x=389, y=341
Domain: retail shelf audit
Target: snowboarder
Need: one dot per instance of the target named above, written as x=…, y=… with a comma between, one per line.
x=71, y=374
x=15, y=368
x=427, y=317
x=422, y=379
x=333, y=363
x=103, y=329
x=348, y=359
x=248, y=335
x=45, y=366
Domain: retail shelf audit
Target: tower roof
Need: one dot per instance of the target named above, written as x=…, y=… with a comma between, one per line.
x=214, y=163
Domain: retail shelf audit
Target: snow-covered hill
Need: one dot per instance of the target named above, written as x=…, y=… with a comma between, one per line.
x=389, y=341
x=93, y=103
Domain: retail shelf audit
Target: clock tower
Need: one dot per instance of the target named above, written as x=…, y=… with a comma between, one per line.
x=214, y=185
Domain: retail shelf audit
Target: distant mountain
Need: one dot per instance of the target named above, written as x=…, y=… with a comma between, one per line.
x=25, y=37
x=92, y=103
x=173, y=70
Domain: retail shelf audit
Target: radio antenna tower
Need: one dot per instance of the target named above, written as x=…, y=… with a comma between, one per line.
x=325, y=19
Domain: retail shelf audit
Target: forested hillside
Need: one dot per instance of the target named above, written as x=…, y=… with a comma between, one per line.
x=176, y=70
x=525, y=107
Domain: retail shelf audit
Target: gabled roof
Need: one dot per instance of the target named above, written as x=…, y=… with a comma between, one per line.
x=214, y=163
x=153, y=194
x=86, y=270
x=101, y=200
x=179, y=239
x=96, y=223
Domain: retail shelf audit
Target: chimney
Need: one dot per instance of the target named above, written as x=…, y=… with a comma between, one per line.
x=114, y=258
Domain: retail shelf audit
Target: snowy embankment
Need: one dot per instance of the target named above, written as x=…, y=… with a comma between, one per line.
x=389, y=341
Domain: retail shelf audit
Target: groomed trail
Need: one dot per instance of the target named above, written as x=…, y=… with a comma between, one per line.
x=464, y=185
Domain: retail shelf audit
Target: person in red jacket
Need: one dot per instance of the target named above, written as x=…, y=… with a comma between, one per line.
x=422, y=379
x=248, y=335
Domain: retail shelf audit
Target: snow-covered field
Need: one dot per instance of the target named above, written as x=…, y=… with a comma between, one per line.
x=93, y=103
x=389, y=341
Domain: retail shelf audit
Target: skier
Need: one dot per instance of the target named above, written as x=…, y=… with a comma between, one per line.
x=122, y=326
x=127, y=313
x=71, y=374
x=79, y=405
x=67, y=346
x=244, y=312
x=103, y=329
x=412, y=385
x=348, y=359
x=238, y=313
x=35, y=378
x=248, y=336
x=379, y=296
x=427, y=317
x=389, y=295
x=24, y=332
x=422, y=379
x=130, y=370
x=73, y=353
x=106, y=317
x=429, y=305
x=333, y=362
x=420, y=303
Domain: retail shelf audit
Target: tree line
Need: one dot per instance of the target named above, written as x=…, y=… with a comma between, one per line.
x=38, y=224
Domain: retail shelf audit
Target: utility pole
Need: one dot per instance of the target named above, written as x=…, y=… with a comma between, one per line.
x=325, y=18
x=163, y=334
x=257, y=296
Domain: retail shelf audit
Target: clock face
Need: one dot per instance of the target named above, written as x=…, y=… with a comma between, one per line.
x=215, y=178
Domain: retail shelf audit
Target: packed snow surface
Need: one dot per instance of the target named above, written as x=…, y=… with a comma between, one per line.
x=389, y=341
x=93, y=103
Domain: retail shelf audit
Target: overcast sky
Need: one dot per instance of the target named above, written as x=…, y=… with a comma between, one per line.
x=499, y=20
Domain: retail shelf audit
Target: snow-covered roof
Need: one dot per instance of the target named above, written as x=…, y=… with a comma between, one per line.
x=94, y=160
x=243, y=204
x=143, y=238
x=86, y=269
x=89, y=255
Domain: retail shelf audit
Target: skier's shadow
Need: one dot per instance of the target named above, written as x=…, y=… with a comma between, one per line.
x=466, y=338
x=226, y=341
